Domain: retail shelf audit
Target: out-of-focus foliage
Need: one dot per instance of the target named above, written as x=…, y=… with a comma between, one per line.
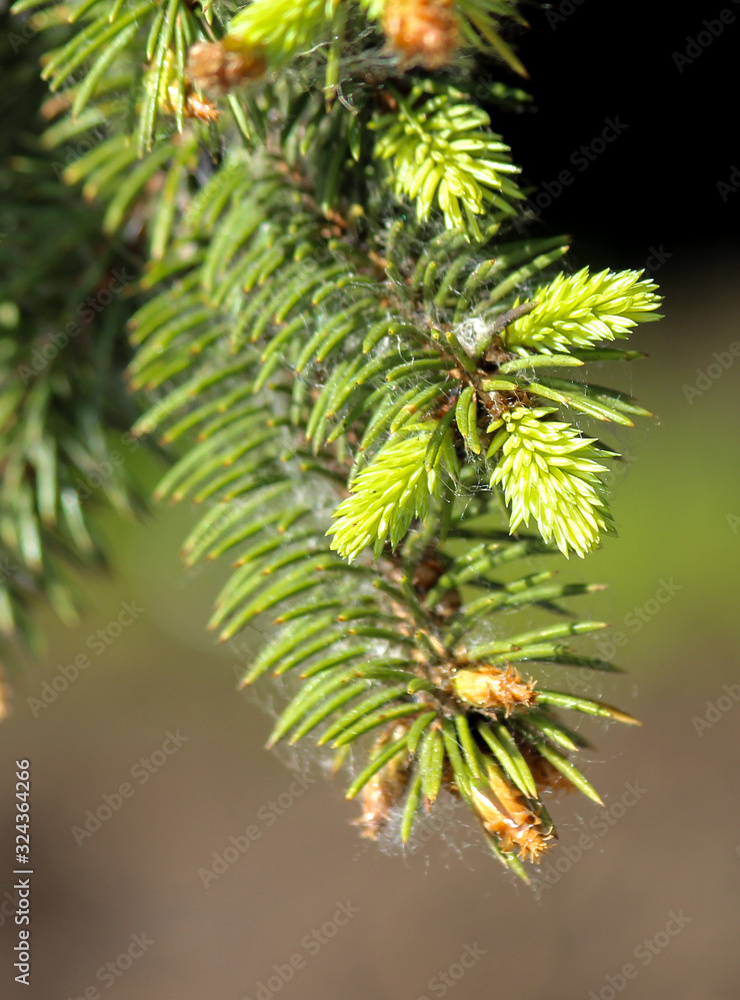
x=64, y=415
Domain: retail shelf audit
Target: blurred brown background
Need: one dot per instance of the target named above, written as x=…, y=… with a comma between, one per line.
x=445, y=919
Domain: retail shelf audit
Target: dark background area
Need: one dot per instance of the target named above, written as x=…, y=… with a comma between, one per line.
x=656, y=183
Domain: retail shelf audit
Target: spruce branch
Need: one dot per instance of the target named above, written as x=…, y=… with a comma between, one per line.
x=393, y=490
x=549, y=472
x=442, y=152
x=320, y=364
x=582, y=309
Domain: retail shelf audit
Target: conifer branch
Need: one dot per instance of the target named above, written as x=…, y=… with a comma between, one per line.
x=394, y=489
x=442, y=152
x=581, y=310
x=321, y=366
x=551, y=473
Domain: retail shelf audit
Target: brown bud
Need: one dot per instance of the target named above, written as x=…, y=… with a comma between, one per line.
x=491, y=687
x=219, y=67
x=200, y=108
x=194, y=105
x=504, y=813
x=423, y=32
x=385, y=788
x=378, y=798
x=427, y=572
x=524, y=836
